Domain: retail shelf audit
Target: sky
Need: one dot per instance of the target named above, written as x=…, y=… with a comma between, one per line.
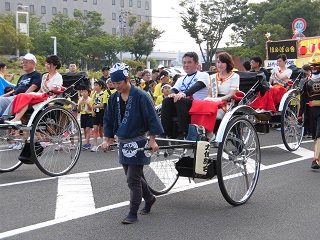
x=165, y=16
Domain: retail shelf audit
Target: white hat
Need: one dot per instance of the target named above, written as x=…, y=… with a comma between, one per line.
x=165, y=85
x=30, y=56
x=160, y=66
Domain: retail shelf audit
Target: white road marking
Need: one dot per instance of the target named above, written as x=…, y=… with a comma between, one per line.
x=75, y=196
x=304, y=153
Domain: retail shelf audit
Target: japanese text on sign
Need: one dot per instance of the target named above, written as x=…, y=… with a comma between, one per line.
x=206, y=158
x=287, y=47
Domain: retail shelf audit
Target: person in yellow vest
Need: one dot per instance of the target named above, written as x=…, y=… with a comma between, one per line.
x=85, y=110
x=164, y=78
x=108, y=92
x=97, y=111
x=165, y=88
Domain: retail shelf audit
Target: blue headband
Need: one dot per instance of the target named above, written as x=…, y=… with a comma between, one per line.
x=119, y=72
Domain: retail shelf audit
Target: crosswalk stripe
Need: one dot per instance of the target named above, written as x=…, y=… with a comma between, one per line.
x=75, y=196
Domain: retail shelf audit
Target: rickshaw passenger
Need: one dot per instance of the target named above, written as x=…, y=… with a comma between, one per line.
x=194, y=85
x=52, y=80
x=225, y=84
x=28, y=82
x=279, y=82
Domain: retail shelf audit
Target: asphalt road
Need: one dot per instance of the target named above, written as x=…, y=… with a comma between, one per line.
x=283, y=206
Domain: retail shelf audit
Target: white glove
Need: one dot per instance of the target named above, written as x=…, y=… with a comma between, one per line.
x=213, y=99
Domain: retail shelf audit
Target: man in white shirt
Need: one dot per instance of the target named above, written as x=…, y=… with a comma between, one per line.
x=195, y=85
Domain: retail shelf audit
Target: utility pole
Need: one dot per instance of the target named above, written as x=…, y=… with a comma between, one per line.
x=123, y=21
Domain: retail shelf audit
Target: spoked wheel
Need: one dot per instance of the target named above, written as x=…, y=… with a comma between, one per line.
x=291, y=129
x=55, y=141
x=11, y=145
x=161, y=174
x=238, y=161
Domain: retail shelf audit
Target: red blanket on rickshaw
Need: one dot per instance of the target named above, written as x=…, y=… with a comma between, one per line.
x=23, y=99
x=204, y=113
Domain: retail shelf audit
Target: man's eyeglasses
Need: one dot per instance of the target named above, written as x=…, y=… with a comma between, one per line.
x=26, y=62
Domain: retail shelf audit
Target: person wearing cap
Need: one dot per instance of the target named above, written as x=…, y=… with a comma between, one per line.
x=160, y=68
x=28, y=82
x=163, y=78
x=165, y=89
x=105, y=74
x=52, y=80
x=311, y=94
x=195, y=85
x=130, y=115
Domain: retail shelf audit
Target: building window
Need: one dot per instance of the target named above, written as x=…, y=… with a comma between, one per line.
x=43, y=9
x=65, y=11
x=85, y=12
x=113, y=2
x=64, y=0
x=147, y=5
x=139, y=18
x=95, y=2
x=130, y=3
x=139, y=4
x=114, y=17
x=54, y=10
x=146, y=18
x=122, y=3
x=85, y=0
x=7, y=6
x=114, y=31
x=32, y=8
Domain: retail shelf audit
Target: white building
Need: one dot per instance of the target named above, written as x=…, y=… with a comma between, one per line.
x=110, y=9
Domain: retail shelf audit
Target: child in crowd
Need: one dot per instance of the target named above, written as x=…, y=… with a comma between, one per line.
x=164, y=78
x=108, y=91
x=85, y=110
x=97, y=112
x=165, y=89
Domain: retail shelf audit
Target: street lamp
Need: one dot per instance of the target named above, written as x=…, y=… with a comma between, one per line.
x=22, y=26
x=54, y=45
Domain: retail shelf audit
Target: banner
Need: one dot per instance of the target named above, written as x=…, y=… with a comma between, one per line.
x=289, y=48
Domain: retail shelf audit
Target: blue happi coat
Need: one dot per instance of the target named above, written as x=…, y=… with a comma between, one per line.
x=139, y=118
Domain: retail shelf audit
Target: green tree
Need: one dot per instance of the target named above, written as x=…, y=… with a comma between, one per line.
x=66, y=32
x=254, y=43
x=100, y=50
x=206, y=22
x=11, y=40
x=89, y=24
x=139, y=38
x=275, y=17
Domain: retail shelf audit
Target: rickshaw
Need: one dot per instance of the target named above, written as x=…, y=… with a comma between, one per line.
x=47, y=133
x=235, y=155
